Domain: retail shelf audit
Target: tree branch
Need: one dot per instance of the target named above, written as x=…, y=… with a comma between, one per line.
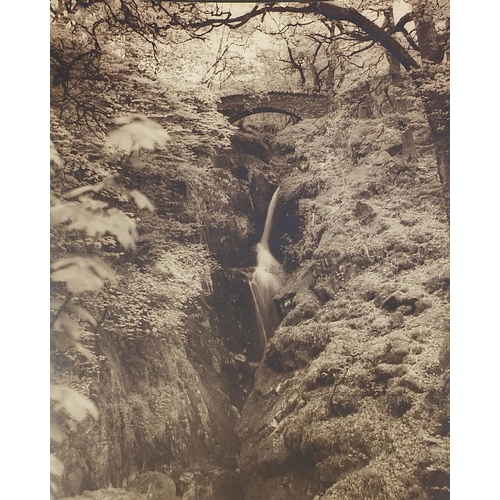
x=295, y=64
x=324, y=10
x=400, y=27
x=336, y=13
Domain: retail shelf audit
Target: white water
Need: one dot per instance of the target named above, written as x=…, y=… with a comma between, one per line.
x=267, y=279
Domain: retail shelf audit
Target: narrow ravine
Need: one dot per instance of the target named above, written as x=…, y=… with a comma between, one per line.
x=295, y=356
x=178, y=339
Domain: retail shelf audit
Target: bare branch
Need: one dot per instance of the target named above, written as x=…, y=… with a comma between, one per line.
x=324, y=10
x=295, y=64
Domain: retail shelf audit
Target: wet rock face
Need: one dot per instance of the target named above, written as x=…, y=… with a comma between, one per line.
x=231, y=239
x=234, y=306
x=261, y=192
x=252, y=143
x=153, y=416
x=236, y=219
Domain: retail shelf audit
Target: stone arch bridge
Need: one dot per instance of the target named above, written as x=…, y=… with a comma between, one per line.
x=297, y=106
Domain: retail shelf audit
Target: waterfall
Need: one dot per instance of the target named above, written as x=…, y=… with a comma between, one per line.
x=267, y=278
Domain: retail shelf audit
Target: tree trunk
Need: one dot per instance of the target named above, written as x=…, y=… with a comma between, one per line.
x=437, y=110
x=433, y=84
x=394, y=65
x=315, y=76
x=430, y=49
x=333, y=64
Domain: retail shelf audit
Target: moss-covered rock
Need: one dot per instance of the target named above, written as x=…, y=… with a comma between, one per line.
x=363, y=339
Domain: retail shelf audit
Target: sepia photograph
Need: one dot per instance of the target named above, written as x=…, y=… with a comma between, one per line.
x=249, y=250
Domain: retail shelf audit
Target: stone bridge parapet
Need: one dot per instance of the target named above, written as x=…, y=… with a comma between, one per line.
x=298, y=106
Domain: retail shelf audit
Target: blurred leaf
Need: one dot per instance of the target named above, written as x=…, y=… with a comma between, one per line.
x=96, y=223
x=54, y=155
x=141, y=200
x=62, y=340
x=78, y=279
x=56, y=433
x=56, y=466
x=137, y=162
x=61, y=213
x=101, y=268
x=66, y=333
x=56, y=303
x=73, y=402
x=83, y=210
x=82, y=274
x=90, y=203
x=82, y=313
x=83, y=189
x=67, y=325
x=113, y=221
x=125, y=120
x=108, y=182
x=137, y=132
x=83, y=350
x=71, y=425
x=54, y=199
x=122, y=227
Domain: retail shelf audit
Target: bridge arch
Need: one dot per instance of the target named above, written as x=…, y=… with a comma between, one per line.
x=249, y=112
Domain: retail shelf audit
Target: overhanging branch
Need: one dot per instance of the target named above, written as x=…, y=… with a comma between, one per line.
x=325, y=11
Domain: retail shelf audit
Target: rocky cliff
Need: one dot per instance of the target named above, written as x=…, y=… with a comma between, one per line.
x=351, y=398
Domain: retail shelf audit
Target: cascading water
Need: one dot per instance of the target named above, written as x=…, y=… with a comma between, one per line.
x=266, y=280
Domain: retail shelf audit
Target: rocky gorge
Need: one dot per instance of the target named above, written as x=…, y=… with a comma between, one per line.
x=349, y=398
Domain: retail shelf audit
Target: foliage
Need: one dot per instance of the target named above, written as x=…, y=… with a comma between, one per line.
x=137, y=132
x=129, y=60
x=81, y=274
x=100, y=250
x=96, y=218
x=327, y=46
x=373, y=483
x=88, y=39
x=317, y=42
x=323, y=55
